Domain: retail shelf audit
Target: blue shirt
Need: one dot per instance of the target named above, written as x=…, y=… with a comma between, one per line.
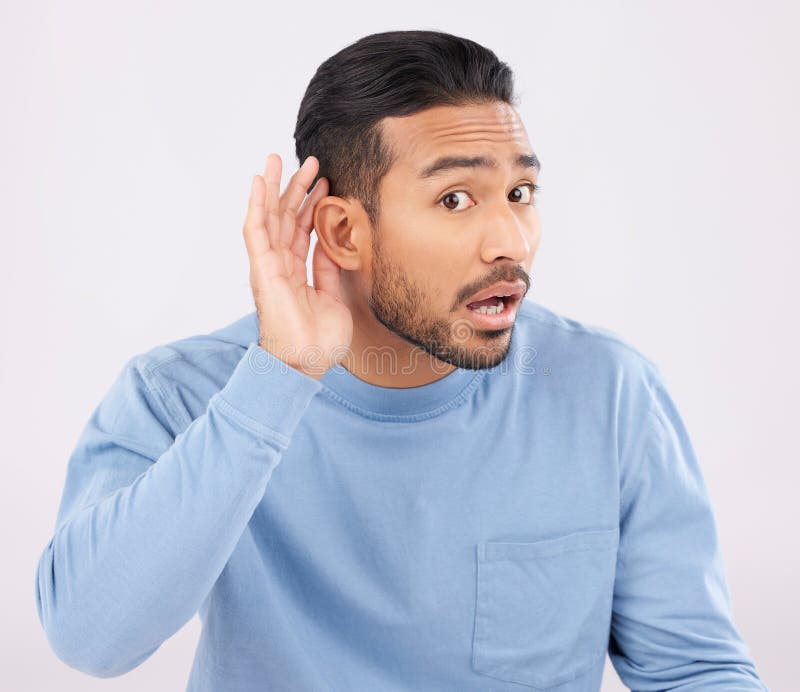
x=496, y=529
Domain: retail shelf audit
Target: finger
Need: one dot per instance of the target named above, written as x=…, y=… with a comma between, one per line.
x=272, y=180
x=293, y=195
x=255, y=233
x=321, y=186
x=305, y=219
x=327, y=274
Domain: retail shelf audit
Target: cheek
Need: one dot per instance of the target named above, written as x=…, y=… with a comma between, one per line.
x=434, y=246
x=437, y=257
x=534, y=236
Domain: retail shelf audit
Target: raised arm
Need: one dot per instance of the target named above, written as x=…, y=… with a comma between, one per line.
x=150, y=514
x=146, y=524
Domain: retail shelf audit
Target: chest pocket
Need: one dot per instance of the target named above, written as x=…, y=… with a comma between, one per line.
x=543, y=608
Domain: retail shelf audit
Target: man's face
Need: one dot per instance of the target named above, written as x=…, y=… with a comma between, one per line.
x=445, y=236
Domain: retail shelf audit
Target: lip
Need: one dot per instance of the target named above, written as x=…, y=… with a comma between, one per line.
x=514, y=289
x=503, y=320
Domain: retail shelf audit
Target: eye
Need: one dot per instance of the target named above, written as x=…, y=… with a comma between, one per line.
x=450, y=200
x=532, y=188
x=451, y=197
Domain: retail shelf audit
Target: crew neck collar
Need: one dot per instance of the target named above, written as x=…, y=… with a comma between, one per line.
x=394, y=403
x=375, y=401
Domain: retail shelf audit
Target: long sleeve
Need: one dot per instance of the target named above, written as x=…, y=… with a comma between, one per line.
x=148, y=521
x=672, y=625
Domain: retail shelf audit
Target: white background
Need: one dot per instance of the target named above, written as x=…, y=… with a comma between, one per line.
x=668, y=135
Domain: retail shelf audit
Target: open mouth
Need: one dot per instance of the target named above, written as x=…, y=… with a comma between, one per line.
x=495, y=305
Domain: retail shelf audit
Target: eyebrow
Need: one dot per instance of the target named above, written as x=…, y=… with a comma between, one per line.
x=448, y=163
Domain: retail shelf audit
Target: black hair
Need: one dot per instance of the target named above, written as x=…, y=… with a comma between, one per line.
x=393, y=73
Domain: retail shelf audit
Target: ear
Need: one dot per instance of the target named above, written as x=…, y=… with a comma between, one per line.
x=342, y=229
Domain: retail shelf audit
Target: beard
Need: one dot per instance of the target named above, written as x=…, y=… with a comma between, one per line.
x=402, y=308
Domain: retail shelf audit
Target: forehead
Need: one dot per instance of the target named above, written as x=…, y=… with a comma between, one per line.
x=442, y=130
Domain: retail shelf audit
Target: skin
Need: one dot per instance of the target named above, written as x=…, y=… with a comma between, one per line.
x=407, y=284
x=390, y=303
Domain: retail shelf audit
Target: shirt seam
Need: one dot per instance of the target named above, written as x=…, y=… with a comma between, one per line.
x=456, y=400
x=646, y=455
x=159, y=393
x=173, y=411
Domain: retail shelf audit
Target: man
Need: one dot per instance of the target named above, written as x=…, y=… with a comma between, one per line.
x=404, y=477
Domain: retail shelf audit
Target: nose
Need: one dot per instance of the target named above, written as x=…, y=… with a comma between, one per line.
x=508, y=236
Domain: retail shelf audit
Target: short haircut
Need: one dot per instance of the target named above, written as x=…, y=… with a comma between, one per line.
x=393, y=73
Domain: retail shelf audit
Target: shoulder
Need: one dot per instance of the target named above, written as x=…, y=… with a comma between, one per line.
x=590, y=370
x=578, y=348
x=184, y=373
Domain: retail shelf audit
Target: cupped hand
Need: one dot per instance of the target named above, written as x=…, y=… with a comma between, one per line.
x=307, y=327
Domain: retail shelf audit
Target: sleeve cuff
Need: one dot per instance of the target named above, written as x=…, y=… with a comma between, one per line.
x=268, y=391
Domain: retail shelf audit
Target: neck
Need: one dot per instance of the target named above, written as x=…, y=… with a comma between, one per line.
x=381, y=357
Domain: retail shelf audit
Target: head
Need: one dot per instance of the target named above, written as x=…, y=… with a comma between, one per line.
x=415, y=244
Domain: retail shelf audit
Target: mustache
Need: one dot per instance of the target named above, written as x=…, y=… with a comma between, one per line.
x=517, y=274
